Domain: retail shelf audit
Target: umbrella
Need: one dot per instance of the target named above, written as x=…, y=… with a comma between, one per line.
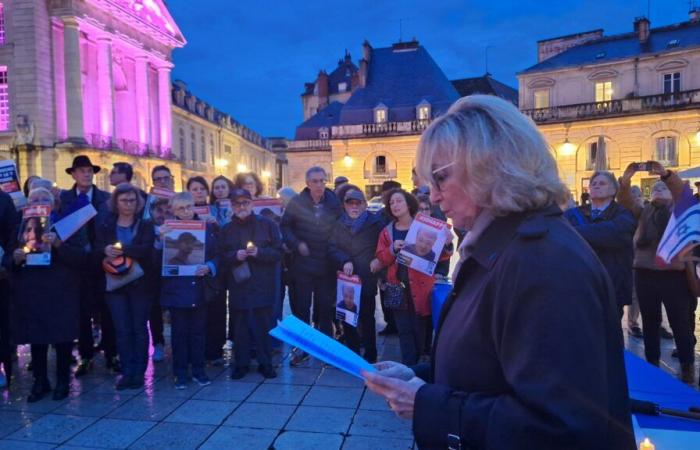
x=601, y=157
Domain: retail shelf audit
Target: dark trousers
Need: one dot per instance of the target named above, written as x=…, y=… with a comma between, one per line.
x=258, y=322
x=216, y=327
x=188, y=327
x=366, y=332
x=40, y=361
x=413, y=330
x=320, y=289
x=655, y=287
x=155, y=321
x=6, y=348
x=130, y=313
x=388, y=313
x=93, y=305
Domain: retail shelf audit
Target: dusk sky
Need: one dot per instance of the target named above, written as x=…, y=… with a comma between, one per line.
x=252, y=58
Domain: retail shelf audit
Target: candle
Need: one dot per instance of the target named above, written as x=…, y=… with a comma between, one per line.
x=26, y=249
x=55, y=184
x=249, y=245
x=646, y=445
x=118, y=245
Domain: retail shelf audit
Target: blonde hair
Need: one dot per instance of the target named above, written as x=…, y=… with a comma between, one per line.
x=180, y=198
x=503, y=159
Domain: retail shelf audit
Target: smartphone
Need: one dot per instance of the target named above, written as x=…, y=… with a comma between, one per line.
x=643, y=167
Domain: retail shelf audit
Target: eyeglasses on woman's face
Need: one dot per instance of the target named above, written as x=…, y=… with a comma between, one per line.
x=440, y=175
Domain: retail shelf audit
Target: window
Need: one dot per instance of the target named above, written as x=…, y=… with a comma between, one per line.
x=592, y=153
x=380, y=115
x=380, y=164
x=666, y=151
x=181, y=133
x=323, y=133
x=4, y=101
x=342, y=87
x=227, y=149
x=424, y=112
x=193, y=145
x=2, y=24
x=672, y=82
x=211, y=147
x=603, y=91
x=202, y=147
x=541, y=98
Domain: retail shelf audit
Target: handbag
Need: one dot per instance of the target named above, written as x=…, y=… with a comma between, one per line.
x=394, y=295
x=114, y=282
x=241, y=272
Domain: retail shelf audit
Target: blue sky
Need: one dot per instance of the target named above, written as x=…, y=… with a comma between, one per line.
x=252, y=58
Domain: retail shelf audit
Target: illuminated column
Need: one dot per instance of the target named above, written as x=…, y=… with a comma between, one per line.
x=74, y=90
x=164, y=110
x=143, y=113
x=105, y=87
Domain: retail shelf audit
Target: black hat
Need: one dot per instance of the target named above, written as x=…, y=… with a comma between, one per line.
x=340, y=180
x=238, y=193
x=82, y=161
x=353, y=194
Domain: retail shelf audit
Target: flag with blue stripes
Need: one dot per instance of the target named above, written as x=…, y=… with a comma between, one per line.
x=683, y=229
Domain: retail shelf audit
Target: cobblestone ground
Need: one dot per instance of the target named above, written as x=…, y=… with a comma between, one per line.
x=311, y=407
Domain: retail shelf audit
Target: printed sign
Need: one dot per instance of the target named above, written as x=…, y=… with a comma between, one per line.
x=9, y=183
x=274, y=205
x=36, y=220
x=424, y=243
x=183, y=249
x=203, y=212
x=347, y=300
x=155, y=194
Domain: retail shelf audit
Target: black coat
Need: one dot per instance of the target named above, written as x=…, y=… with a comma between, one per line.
x=45, y=305
x=358, y=248
x=9, y=220
x=313, y=224
x=261, y=289
x=140, y=250
x=100, y=201
x=529, y=350
x=610, y=235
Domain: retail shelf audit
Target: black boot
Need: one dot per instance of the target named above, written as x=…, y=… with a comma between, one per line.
x=62, y=390
x=39, y=390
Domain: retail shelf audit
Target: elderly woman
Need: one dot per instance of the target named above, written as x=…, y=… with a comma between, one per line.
x=507, y=371
x=658, y=285
x=46, y=303
x=123, y=234
x=608, y=228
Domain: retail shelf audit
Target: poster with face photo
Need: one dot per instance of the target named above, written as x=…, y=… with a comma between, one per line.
x=424, y=243
x=153, y=197
x=183, y=249
x=35, y=222
x=347, y=300
x=203, y=212
x=267, y=207
x=9, y=183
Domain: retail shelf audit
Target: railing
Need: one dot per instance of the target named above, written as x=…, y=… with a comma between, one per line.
x=379, y=129
x=388, y=174
x=309, y=144
x=626, y=106
x=131, y=147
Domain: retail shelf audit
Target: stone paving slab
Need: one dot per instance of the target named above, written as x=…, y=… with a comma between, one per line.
x=203, y=412
x=242, y=439
x=321, y=419
x=147, y=408
x=111, y=433
x=261, y=415
x=53, y=428
x=336, y=397
x=294, y=440
x=91, y=404
x=282, y=394
x=225, y=390
x=11, y=421
x=364, y=443
x=171, y=436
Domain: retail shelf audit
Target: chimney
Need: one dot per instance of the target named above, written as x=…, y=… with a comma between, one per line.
x=322, y=83
x=366, y=51
x=694, y=14
x=362, y=73
x=641, y=27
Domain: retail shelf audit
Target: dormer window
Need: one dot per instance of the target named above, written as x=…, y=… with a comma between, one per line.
x=423, y=111
x=323, y=133
x=381, y=113
x=342, y=87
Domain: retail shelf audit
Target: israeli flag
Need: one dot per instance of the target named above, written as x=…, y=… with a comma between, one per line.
x=683, y=227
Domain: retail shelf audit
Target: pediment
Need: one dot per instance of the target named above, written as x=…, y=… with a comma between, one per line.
x=670, y=65
x=603, y=74
x=154, y=14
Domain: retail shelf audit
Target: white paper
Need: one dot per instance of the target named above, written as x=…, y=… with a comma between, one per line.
x=424, y=243
x=66, y=227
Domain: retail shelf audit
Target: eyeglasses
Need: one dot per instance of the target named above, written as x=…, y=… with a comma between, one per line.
x=317, y=180
x=162, y=179
x=241, y=204
x=439, y=176
x=184, y=208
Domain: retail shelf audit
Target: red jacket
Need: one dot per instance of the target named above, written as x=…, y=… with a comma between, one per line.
x=421, y=284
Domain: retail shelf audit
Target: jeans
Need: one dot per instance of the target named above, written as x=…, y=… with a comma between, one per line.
x=322, y=289
x=40, y=365
x=216, y=327
x=188, y=327
x=257, y=322
x=655, y=287
x=365, y=333
x=130, y=310
x=413, y=332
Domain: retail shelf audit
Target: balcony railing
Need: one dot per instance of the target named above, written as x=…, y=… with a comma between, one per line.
x=131, y=147
x=388, y=174
x=627, y=106
x=379, y=129
x=309, y=144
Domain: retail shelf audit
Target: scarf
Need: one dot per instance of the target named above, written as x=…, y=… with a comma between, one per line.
x=355, y=225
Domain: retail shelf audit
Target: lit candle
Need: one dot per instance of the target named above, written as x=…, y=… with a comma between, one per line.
x=118, y=245
x=26, y=249
x=249, y=245
x=55, y=184
x=646, y=445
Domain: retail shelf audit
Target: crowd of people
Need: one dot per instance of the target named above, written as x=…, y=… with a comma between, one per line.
x=114, y=295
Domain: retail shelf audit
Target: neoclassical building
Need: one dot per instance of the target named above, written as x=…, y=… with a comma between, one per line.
x=93, y=77
x=622, y=98
x=364, y=120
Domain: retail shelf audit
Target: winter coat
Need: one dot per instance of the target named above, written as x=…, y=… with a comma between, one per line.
x=610, y=235
x=421, y=284
x=313, y=224
x=359, y=249
x=100, y=201
x=524, y=358
x=261, y=289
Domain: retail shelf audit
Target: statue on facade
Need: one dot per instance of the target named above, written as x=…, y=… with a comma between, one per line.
x=24, y=131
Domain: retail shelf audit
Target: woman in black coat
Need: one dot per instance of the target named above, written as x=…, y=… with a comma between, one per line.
x=252, y=247
x=507, y=370
x=351, y=248
x=123, y=234
x=46, y=303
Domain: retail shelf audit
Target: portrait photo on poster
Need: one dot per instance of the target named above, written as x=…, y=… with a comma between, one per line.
x=347, y=299
x=183, y=249
x=424, y=243
x=36, y=220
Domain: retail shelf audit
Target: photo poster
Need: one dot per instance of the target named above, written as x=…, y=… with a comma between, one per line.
x=36, y=220
x=9, y=183
x=183, y=249
x=347, y=300
x=155, y=194
x=203, y=212
x=274, y=205
x=424, y=243
x=225, y=208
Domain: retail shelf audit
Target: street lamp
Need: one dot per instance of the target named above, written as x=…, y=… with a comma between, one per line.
x=240, y=168
x=347, y=160
x=266, y=174
x=567, y=148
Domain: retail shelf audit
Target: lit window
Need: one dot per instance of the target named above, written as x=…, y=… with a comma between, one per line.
x=202, y=147
x=380, y=164
x=672, y=82
x=541, y=98
x=380, y=115
x=4, y=101
x=2, y=24
x=666, y=151
x=342, y=87
x=592, y=154
x=424, y=112
x=182, y=143
x=323, y=133
x=603, y=91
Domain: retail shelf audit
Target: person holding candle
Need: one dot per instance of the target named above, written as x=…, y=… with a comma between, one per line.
x=507, y=371
x=41, y=314
x=252, y=246
x=123, y=234
x=186, y=298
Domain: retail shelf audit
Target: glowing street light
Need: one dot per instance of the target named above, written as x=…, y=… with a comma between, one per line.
x=567, y=148
x=266, y=174
x=221, y=163
x=347, y=160
x=240, y=168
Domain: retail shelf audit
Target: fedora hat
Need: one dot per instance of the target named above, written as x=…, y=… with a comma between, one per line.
x=82, y=161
